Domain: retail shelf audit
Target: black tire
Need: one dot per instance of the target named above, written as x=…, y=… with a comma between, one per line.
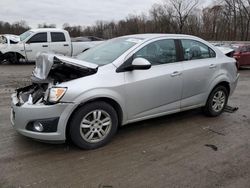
x=11, y=58
x=75, y=133
x=208, y=109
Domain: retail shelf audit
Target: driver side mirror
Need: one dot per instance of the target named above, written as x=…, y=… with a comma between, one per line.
x=140, y=64
x=136, y=64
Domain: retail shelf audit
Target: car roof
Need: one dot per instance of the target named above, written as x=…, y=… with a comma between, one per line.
x=47, y=29
x=149, y=36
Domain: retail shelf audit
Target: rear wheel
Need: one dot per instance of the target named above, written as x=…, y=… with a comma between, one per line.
x=216, y=102
x=93, y=125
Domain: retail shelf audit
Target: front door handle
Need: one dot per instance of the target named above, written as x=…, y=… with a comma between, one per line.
x=65, y=45
x=44, y=46
x=212, y=66
x=176, y=73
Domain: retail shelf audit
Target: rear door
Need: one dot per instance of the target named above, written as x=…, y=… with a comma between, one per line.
x=199, y=69
x=59, y=44
x=37, y=43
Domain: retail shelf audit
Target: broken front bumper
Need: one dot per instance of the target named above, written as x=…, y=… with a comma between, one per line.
x=23, y=115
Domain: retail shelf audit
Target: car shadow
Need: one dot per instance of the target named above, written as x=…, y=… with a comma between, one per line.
x=135, y=128
x=244, y=68
x=166, y=120
x=16, y=63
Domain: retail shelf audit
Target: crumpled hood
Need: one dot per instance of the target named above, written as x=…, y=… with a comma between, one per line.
x=45, y=61
x=14, y=38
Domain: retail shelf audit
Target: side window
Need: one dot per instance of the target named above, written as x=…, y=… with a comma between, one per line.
x=245, y=49
x=38, y=38
x=57, y=37
x=196, y=50
x=158, y=52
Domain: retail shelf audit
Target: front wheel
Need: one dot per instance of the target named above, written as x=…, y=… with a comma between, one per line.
x=93, y=125
x=216, y=102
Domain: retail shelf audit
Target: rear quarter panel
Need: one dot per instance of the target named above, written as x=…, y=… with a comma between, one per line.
x=227, y=72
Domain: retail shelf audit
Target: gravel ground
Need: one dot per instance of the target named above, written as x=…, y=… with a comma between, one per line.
x=182, y=150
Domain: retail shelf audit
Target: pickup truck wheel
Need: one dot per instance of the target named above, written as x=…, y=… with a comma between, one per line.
x=2, y=62
x=93, y=125
x=7, y=61
x=11, y=58
x=216, y=102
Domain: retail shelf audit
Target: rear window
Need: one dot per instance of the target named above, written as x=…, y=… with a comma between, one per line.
x=57, y=37
x=196, y=50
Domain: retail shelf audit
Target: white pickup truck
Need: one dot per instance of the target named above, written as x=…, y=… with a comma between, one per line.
x=29, y=44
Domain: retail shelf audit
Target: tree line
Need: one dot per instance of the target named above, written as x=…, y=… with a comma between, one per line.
x=224, y=20
x=14, y=28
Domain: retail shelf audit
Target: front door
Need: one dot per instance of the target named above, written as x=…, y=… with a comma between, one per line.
x=155, y=91
x=37, y=43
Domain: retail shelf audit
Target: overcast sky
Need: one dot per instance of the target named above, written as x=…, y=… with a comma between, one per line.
x=74, y=12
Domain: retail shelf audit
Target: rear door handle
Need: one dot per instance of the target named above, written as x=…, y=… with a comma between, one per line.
x=212, y=66
x=44, y=46
x=176, y=73
x=65, y=45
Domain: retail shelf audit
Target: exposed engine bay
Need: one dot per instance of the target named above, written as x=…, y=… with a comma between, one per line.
x=49, y=73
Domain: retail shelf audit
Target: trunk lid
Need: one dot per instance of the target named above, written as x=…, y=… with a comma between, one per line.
x=225, y=50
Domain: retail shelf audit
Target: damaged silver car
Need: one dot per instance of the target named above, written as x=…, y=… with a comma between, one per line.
x=120, y=81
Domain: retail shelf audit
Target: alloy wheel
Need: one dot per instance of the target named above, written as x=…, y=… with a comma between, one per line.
x=219, y=101
x=95, y=126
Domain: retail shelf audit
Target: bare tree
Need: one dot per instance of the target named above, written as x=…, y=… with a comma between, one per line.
x=182, y=9
x=15, y=28
x=212, y=21
x=244, y=11
x=45, y=25
x=225, y=20
x=162, y=17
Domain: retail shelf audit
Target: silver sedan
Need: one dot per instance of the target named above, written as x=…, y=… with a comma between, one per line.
x=120, y=81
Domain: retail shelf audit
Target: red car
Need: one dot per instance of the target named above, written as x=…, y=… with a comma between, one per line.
x=242, y=54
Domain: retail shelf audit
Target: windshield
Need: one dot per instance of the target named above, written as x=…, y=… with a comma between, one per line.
x=109, y=51
x=3, y=40
x=25, y=35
